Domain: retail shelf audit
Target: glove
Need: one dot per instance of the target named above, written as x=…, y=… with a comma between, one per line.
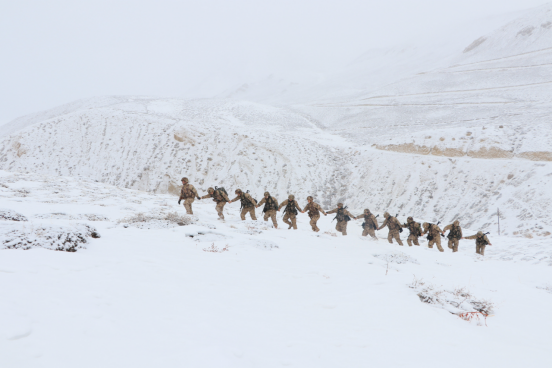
x=179, y=201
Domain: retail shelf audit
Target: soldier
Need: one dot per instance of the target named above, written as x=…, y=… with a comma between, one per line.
x=343, y=216
x=290, y=212
x=370, y=223
x=434, y=235
x=481, y=241
x=415, y=231
x=394, y=228
x=247, y=204
x=188, y=193
x=270, y=208
x=454, y=235
x=314, y=212
x=219, y=196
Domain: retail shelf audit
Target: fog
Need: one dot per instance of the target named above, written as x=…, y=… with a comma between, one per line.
x=58, y=51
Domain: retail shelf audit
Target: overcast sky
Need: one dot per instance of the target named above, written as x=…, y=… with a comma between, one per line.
x=57, y=51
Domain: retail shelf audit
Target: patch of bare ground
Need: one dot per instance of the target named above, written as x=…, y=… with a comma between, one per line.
x=484, y=152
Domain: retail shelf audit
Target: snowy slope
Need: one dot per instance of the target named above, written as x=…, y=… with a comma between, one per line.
x=456, y=135
x=157, y=296
x=150, y=144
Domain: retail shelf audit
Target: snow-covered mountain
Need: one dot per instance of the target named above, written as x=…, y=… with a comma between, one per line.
x=452, y=137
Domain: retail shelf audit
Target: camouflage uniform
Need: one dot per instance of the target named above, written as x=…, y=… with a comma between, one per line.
x=341, y=225
x=188, y=193
x=220, y=198
x=370, y=223
x=454, y=235
x=314, y=213
x=394, y=225
x=247, y=203
x=434, y=235
x=481, y=241
x=415, y=231
x=290, y=213
x=270, y=208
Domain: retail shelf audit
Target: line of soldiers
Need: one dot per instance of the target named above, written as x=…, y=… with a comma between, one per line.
x=291, y=209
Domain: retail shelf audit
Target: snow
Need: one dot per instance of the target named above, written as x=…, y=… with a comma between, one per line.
x=451, y=131
x=234, y=293
x=456, y=129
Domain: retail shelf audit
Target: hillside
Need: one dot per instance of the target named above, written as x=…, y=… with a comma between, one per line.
x=457, y=138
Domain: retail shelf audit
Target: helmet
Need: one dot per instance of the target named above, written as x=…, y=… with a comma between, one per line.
x=409, y=219
x=480, y=233
x=340, y=205
x=291, y=197
x=386, y=214
x=456, y=223
x=366, y=210
x=266, y=194
x=310, y=198
x=238, y=191
x=184, y=179
x=210, y=190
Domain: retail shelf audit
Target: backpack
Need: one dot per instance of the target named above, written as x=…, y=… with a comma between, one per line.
x=429, y=236
x=398, y=223
x=341, y=216
x=454, y=232
x=371, y=225
x=221, y=189
x=252, y=197
x=245, y=202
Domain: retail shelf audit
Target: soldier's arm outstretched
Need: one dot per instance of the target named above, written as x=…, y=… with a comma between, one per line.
x=332, y=211
x=383, y=225
x=261, y=202
x=283, y=204
x=298, y=207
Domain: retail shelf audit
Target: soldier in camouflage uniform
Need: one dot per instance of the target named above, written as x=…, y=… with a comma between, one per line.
x=394, y=228
x=188, y=193
x=454, y=235
x=481, y=241
x=220, y=198
x=247, y=204
x=270, y=208
x=314, y=212
x=343, y=216
x=370, y=223
x=290, y=211
x=433, y=235
x=415, y=231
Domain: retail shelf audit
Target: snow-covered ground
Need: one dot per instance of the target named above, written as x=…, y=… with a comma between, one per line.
x=242, y=294
x=438, y=133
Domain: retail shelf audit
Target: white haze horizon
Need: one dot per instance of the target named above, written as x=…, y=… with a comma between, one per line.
x=58, y=52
